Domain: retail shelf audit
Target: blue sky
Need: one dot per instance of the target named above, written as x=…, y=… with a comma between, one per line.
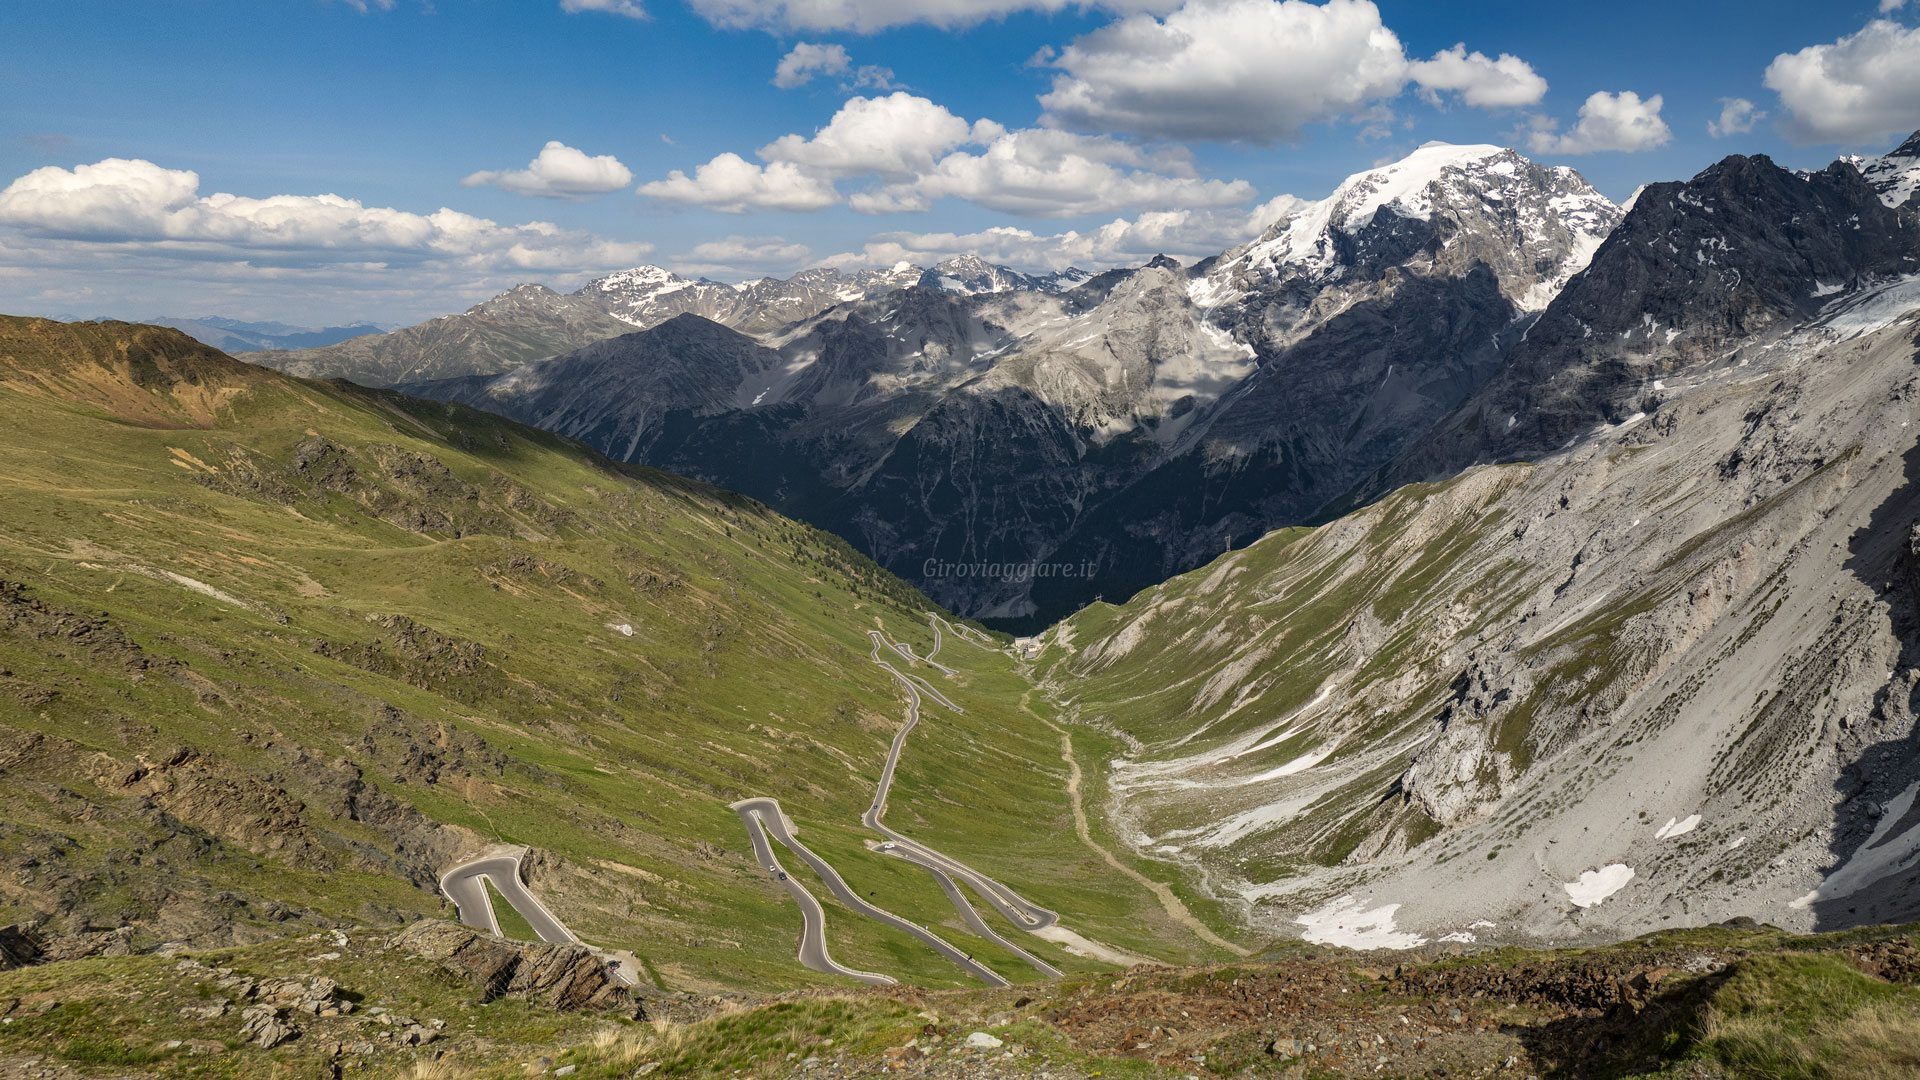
x=1036, y=134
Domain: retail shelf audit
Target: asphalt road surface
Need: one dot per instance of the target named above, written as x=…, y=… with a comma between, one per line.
x=466, y=886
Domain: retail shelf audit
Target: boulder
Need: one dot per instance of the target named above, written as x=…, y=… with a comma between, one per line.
x=263, y=1026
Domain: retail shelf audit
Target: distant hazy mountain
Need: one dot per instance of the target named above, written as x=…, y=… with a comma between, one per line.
x=236, y=335
x=531, y=322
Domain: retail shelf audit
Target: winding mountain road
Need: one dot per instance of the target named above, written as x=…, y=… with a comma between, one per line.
x=766, y=822
x=465, y=885
x=764, y=818
x=1023, y=914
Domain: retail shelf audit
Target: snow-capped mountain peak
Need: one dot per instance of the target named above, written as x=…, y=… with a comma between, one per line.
x=970, y=274
x=1435, y=209
x=1895, y=175
x=652, y=279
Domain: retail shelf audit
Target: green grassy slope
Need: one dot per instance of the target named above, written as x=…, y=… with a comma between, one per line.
x=275, y=652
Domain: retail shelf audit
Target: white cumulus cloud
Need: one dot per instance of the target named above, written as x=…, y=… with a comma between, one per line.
x=1608, y=122
x=559, y=172
x=892, y=135
x=914, y=152
x=1046, y=173
x=1859, y=89
x=807, y=60
x=628, y=8
x=1259, y=70
x=1737, y=117
x=138, y=206
x=1503, y=83
x=733, y=185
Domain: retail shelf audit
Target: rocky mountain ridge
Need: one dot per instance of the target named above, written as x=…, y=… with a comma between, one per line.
x=1126, y=425
x=531, y=321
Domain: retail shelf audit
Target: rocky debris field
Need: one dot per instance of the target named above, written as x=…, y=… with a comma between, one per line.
x=1675, y=1005
x=1706, y=1004
x=331, y=1004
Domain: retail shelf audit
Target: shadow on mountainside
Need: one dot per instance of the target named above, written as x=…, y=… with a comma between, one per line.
x=1885, y=556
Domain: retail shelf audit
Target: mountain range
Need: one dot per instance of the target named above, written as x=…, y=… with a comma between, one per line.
x=531, y=322
x=238, y=335
x=1019, y=447
x=1131, y=425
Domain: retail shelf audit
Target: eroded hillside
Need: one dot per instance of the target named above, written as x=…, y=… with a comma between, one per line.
x=1663, y=677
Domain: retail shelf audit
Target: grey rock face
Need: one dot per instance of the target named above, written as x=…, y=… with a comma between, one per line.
x=971, y=274
x=264, y=1026
x=18, y=947
x=523, y=324
x=1739, y=254
x=558, y=976
x=1896, y=175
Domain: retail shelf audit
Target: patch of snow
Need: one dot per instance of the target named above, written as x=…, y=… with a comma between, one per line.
x=1737, y=841
x=1876, y=308
x=1298, y=765
x=1595, y=886
x=1302, y=232
x=624, y=629
x=1675, y=828
x=1884, y=853
x=1895, y=176
x=1348, y=923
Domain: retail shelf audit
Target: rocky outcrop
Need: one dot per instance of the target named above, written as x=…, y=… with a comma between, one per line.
x=271, y=1008
x=568, y=977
